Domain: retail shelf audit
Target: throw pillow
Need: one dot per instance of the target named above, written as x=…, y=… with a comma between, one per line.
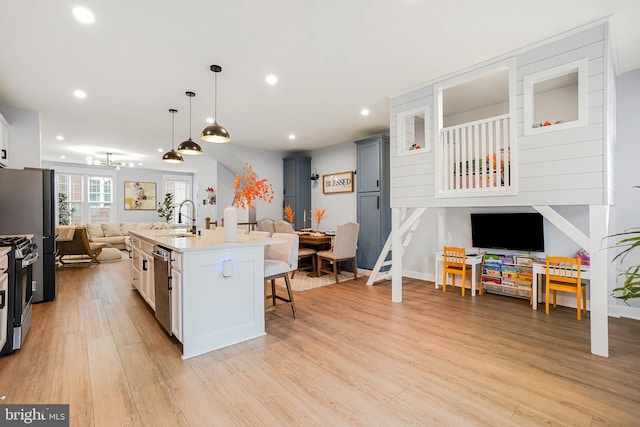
x=111, y=230
x=94, y=230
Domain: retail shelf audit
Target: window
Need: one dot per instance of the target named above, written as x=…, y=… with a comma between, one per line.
x=181, y=190
x=84, y=198
x=100, y=198
x=69, y=199
x=556, y=98
x=413, y=131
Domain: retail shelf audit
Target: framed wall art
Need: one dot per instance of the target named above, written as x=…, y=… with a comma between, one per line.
x=139, y=196
x=341, y=182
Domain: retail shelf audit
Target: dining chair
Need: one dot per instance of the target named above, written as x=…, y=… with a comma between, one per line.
x=563, y=274
x=344, y=248
x=283, y=226
x=267, y=225
x=454, y=262
x=306, y=253
x=282, y=258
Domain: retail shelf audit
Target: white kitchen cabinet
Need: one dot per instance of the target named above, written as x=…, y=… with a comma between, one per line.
x=147, y=278
x=176, y=303
x=217, y=296
x=4, y=142
x=142, y=277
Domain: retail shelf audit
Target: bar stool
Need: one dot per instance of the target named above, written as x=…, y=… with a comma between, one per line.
x=282, y=258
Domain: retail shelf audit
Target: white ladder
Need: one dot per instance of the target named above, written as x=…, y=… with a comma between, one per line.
x=407, y=226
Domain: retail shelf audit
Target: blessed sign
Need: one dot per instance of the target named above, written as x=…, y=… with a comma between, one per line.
x=341, y=182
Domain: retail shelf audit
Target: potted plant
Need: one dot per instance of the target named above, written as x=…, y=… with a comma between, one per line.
x=65, y=212
x=165, y=208
x=630, y=241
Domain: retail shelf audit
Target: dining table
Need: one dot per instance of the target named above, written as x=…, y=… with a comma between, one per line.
x=319, y=241
x=315, y=240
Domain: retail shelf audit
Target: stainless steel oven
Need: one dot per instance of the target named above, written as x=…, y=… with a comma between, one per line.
x=20, y=293
x=24, y=282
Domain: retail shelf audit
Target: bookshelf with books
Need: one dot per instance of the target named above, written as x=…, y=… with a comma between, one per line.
x=508, y=274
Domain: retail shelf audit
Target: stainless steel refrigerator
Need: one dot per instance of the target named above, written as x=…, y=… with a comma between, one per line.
x=27, y=206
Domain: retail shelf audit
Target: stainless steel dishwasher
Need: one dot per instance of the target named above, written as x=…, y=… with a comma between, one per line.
x=162, y=279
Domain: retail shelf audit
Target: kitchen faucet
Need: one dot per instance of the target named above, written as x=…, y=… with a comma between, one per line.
x=193, y=214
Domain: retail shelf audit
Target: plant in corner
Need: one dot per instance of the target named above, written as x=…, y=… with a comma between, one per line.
x=630, y=241
x=165, y=208
x=65, y=212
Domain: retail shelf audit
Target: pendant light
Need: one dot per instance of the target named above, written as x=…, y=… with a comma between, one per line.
x=172, y=156
x=189, y=147
x=215, y=132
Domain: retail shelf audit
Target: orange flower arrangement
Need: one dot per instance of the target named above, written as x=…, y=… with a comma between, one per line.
x=249, y=188
x=319, y=214
x=288, y=213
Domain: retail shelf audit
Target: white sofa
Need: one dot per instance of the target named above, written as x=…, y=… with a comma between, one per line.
x=114, y=233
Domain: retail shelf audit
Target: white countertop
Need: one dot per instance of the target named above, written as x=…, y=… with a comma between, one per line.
x=180, y=241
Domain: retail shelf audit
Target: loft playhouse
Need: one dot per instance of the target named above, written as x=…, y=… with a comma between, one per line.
x=541, y=135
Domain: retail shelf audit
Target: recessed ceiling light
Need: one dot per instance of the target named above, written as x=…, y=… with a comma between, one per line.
x=59, y=137
x=292, y=136
x=209, y=119
x=63, y=157
x=160, y=150
x=139, y=164
x=89, y=160
x=272, y=79
x=79, y=94
x=131, y=164
x=83, y=15
x=364, y=112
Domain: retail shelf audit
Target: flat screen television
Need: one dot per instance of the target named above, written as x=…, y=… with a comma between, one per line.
x=513, y=231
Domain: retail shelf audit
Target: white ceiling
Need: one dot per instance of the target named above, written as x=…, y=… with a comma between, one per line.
x=332, y=58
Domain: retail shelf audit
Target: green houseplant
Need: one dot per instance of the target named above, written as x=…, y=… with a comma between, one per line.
x=165, y=208
x=629, y=241
x=65, y=212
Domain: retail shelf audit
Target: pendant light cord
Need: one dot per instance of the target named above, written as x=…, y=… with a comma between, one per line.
x=215, y=98
x=190, y=116
x=173, y=126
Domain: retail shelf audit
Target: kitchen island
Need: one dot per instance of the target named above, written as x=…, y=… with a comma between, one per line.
x=217, y=288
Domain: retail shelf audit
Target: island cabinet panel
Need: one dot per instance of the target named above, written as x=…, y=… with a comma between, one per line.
x=222, y=298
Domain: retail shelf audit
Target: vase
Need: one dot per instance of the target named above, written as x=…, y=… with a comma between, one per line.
x=230, y=224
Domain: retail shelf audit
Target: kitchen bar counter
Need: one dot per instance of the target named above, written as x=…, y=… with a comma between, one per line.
x=219, y=300
x=181, y=241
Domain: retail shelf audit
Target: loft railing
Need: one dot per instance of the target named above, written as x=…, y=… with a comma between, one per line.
x=475, y=156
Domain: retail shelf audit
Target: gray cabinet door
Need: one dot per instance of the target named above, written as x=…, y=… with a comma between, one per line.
x=297, y=188
x=368, y=172
x=374, y=212
x=370, y=229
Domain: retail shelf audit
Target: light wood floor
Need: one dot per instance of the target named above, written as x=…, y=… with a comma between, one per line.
x=352, y=357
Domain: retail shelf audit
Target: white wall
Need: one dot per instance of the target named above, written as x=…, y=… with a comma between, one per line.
x=24, y=137
x=627, y=207
x=207, y=176
x=419, y=258
x=267, y=164
x=341, y=207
